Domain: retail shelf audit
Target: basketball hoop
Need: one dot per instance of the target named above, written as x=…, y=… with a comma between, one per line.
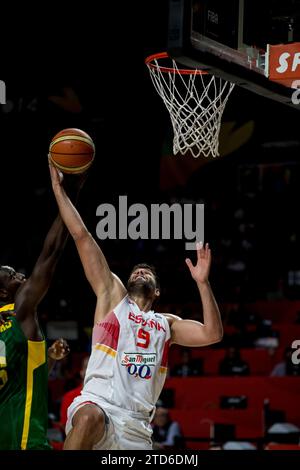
x=195, y=100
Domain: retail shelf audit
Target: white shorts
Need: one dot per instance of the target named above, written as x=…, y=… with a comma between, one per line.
x=125, y=430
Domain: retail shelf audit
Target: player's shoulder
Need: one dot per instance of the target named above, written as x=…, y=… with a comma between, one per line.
x=170, y=317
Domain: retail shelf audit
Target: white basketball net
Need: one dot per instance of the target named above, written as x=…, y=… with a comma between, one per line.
x=195, y=101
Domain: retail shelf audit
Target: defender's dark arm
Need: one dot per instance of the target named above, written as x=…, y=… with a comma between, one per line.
x=35, y=288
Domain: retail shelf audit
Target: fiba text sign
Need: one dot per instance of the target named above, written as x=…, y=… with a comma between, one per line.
x=157, y=222
x=2, y=92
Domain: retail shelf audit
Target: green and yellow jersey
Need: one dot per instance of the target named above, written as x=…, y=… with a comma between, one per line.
x=23, y=387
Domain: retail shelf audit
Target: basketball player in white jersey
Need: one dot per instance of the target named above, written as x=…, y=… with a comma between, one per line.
x=128, y=363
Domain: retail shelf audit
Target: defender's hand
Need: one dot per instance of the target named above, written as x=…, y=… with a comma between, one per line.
x=59, y=349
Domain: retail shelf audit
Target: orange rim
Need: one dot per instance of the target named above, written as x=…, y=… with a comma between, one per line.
x=164, y=55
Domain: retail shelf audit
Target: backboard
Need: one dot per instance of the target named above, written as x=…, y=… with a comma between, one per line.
x=233, y=39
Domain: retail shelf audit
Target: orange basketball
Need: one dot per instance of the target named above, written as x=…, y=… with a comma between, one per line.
x=72, y=151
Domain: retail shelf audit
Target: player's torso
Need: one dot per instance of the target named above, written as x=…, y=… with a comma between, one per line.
x=128, y=364
x=23, y=389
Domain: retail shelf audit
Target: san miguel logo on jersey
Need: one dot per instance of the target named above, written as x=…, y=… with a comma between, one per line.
x=139, y=364
x=138, y=358
x=152, y=324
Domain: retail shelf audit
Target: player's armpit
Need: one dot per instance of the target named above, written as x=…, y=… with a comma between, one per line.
x=108, y=300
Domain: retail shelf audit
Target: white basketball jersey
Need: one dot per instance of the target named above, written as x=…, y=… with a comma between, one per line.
x=128, y=363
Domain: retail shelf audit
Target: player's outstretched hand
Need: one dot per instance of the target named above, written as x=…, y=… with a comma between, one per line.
x=72, y=183
x=56, y=175
x=200, y=272
x=59, y=349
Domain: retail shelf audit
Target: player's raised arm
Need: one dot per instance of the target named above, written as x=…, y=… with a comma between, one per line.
x=107, y=287
x=190, y=332
x=56, y=352
x=36, y=286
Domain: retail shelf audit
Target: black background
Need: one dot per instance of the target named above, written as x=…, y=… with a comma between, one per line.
x=99, y=51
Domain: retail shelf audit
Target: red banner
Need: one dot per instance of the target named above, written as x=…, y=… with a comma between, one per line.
x=284, y=62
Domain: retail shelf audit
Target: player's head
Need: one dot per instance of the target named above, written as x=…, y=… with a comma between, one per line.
x=10, y=281
x=143, y=282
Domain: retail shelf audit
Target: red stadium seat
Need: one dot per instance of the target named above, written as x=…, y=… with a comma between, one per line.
x=198, y=424
x=282, y=447
x=260, y=361
x=287, y=334
x=192, y=428
x=204, y=393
